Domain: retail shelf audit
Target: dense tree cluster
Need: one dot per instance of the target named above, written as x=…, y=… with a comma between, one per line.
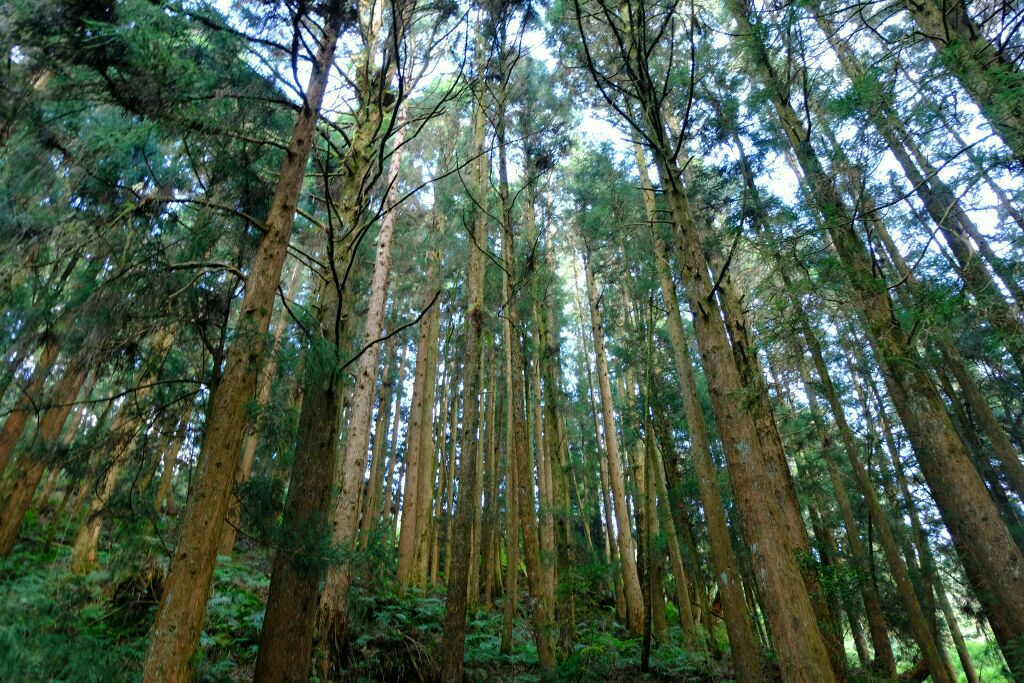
x=396, y=340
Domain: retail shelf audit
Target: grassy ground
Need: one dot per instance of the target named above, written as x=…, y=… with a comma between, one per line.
x=58, y=627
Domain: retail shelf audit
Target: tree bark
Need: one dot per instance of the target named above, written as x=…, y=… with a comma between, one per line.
x=627, y=549
x=987, y=548
x=175, y=634
x=453, y=637
x=252, y=438
x=29, y=468
x=15, y=423
x=788, y=605
x=993, y=80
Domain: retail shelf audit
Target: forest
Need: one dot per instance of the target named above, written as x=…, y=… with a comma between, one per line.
x=511, y=340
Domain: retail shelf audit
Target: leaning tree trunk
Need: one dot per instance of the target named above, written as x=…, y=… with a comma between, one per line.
x=29, y=469
x=299, y=564
x=992, y=79
x=251, y=440
x=986, y=546
x=934, y=656
x=766, y=525
x=124, y=429
x=737, y=620
x=15, y=423
x=174, y=638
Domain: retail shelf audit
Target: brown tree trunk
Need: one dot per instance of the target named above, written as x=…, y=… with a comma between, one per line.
x=933, y=655
x=737, y=620
x=511, y=516
x=123, y=431
x=491, y=482
x=251, y=440
x=627, y=549
x=15, y=423
x=175, y=634
x=987, y=548
x=349, y=478
x=28, y=470
x=453, y=636
x=392, y=385
x=768, y=527
x=299, y=563
x=557, y=449
x=987, y=73
x=420, y=446
x=164, y=501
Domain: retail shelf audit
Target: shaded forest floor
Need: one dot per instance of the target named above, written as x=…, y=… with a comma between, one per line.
x=58, y=627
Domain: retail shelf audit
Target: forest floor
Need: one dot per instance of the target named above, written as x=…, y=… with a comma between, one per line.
x=55, y=626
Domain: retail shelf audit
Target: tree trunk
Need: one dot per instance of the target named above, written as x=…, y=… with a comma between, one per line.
x=123, y=432
x=164, y=501
x=934, y=657
x=392, y=386
x=511, y=605
x=627, y=549
x=29, y=469
x=15, y=423
x=175, y=634
x=419, y=441
x=993, y=80
x=350, y=478
x=768, y=528
x=252, y=438
x=969, y=513
x=453, y=636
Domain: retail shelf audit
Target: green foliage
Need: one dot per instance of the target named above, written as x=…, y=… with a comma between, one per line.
x=234, y=618
x=57, y=627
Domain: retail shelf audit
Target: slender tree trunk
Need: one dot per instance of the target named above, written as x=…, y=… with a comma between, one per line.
x=491, y=482
x=385, y=406
x=987, y=548
x=511, y=516
x=737, y=621
x=958, y=638
x=446, y=488
x=164, y=501
x=299, y=564
x=544, y=482
x=691, y=638
x=453, y=637
x=933, y=655
x=481, y=550
x=557, y=449
x=28, y=470
x=350, y=478
x=420, y=446
x=627, y=550
x=473, y=578
x=15, y=423
x=123, y=431
x=389, y=477
x=43, y=502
